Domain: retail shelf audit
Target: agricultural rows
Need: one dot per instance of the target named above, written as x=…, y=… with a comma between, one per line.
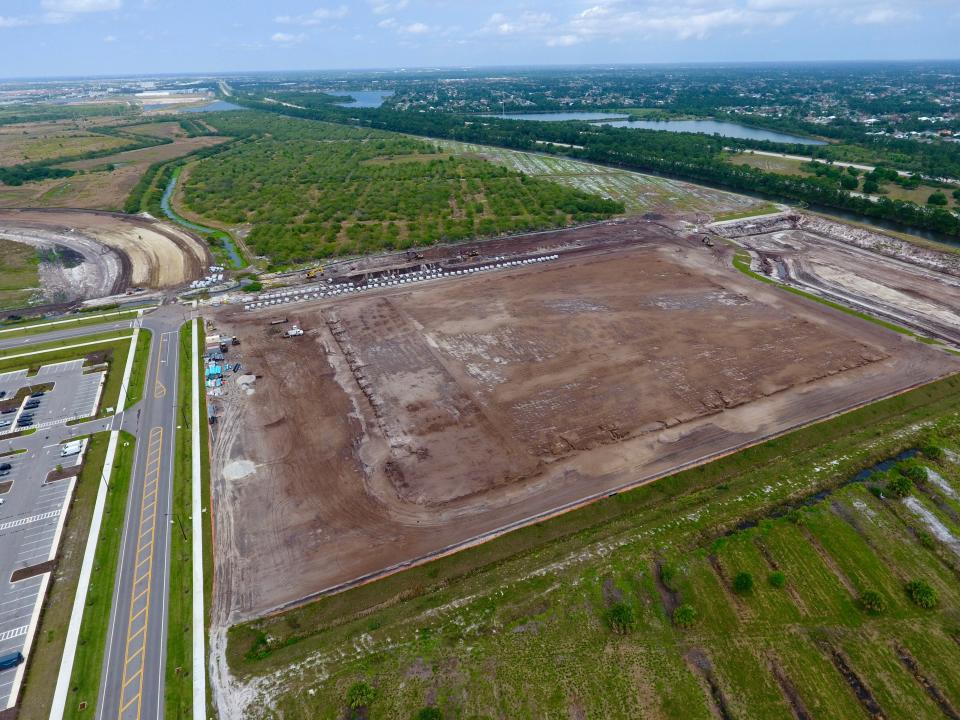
x=639, y=193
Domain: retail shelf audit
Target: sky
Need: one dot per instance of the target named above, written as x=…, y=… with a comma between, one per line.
x=43, y=38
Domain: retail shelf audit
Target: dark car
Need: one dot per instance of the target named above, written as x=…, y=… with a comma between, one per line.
x=38, y=393
x=5, y=466
x=25, y=423
x=7, y=411
x=3, y=394
x=10, y=660
x=31, y=405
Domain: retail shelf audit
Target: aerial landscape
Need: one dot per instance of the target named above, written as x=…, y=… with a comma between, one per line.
x=422, y=360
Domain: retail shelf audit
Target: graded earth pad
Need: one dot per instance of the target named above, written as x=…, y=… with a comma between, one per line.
x=409, y=421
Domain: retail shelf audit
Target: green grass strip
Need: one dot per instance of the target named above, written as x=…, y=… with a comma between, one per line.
x=59, y=344
x=80, y=321
x=138, y=375
x=91, y=645
x=179, y=670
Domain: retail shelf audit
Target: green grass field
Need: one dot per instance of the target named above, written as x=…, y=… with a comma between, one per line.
x=19, y=277
x=518, y=628
x=91, y=645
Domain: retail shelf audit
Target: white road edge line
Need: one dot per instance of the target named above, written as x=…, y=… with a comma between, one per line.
x=199, y=629
x=80, y=600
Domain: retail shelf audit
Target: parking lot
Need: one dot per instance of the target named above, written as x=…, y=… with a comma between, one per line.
x=34, y=507
x=74, y=395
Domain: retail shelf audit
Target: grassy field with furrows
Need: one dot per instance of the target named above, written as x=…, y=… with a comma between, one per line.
x=638, y=192
x=778, y=582
x=311, y=190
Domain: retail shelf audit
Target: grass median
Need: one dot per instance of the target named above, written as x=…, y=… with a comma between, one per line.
x=91, y=645
x=63, y=344
x=65, y=324
x=138, y=374
x=179, y=670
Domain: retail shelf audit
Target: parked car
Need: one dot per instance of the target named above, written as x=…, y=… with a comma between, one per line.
x=31, y=405
x=3, y=394
x=5, y=466
x=7, y=411
x=38, y=393
x=4, y=473
x=10, y=660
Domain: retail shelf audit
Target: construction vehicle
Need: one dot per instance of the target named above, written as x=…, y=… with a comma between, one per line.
x=294, y=331
x=278, y=321
x=413, y=255
x=312, y=274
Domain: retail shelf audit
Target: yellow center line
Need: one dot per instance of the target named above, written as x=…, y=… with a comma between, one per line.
x=143, y=573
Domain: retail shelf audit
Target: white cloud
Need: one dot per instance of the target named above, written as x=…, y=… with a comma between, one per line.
x=527, y=23
x=562, y=40
x=318, y=17
x=417, y=28
x=11, y=22
x=110, y=39
x=287, y=38
x=883, y=16
x=382, y=8
x=73, y=7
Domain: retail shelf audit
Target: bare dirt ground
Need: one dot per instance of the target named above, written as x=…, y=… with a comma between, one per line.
x=411, y=421
x=107, y=252
x=911, y=285
x=99, y=190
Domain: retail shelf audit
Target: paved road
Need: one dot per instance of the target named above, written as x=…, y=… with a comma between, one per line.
x=135, y=658
x=6, y=343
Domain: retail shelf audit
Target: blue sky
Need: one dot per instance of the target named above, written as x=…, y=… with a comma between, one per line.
x=74, y=37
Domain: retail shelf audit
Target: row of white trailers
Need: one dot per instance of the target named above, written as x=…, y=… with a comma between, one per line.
x=298, y=295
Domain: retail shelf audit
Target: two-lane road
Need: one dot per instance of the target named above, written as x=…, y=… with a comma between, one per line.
x=135, y=659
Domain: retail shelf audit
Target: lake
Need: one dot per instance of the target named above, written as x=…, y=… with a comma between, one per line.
x=558, y=116
x=362, y=98
x=216, y=106
x=715, y=127
x=707, y=127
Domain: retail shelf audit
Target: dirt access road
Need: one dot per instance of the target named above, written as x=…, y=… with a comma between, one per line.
x=410, y=421
x=95, y=254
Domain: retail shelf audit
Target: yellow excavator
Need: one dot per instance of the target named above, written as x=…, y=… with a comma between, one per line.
x=312, y=274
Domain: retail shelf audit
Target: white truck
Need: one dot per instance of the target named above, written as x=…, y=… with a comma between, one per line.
x=71, y=448
x=294, y=331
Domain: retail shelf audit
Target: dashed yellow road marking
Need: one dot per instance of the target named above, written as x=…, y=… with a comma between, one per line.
x=131, y=693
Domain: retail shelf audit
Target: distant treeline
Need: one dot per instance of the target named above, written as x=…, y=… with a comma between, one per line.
x=686, y=156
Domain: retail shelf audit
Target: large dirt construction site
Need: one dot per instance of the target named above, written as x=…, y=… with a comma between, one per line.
x=106, y=253
x=408, y=421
